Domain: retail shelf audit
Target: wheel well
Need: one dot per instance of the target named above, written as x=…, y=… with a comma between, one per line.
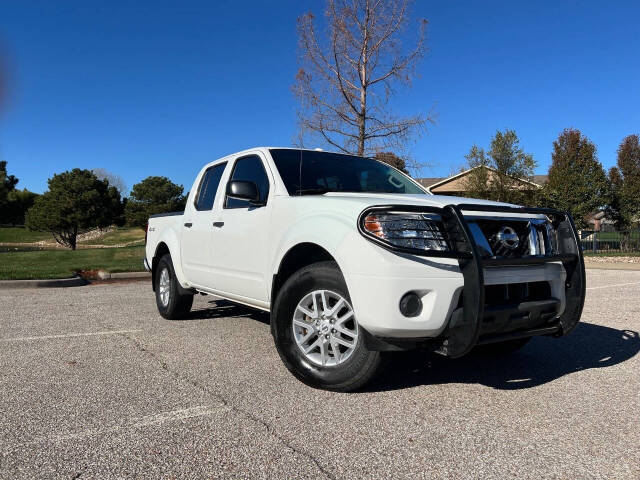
x=298, y=257
x=161, y=250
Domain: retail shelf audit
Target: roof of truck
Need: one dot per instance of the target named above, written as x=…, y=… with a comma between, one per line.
x=273, y=147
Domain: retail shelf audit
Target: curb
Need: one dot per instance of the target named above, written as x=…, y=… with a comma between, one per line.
x=51, y=283
x=76, y=281
x=102, y=275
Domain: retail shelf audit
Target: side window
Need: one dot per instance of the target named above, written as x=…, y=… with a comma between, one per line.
x=209, y=187
x=249, y=169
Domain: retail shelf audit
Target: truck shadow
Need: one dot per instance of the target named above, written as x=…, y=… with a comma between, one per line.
x=225, y=309
x=541, y=361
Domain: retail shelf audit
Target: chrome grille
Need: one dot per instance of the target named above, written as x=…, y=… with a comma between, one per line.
x=512, y=238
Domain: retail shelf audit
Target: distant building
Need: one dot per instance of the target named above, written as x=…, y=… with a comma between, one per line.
x=599, y=222
x=456, y=185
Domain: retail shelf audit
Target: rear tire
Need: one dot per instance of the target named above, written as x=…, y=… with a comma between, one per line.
x=339, y=361
x=502, y=348
x=172, y=302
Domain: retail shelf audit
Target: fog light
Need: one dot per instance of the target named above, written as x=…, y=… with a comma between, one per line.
x=410, y=305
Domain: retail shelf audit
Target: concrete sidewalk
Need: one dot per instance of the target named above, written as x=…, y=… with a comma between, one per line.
x=611, y=265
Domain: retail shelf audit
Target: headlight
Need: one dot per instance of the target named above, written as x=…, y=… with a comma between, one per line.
x=417, y=231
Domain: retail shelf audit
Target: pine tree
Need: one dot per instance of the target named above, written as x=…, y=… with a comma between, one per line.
x=76, y=202
x=577, y=182
x=625, y=184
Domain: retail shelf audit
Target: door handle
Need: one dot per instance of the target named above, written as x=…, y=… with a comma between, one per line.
x=218, y=224
x=188, y=224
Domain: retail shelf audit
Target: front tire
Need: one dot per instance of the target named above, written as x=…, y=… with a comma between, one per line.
x=172, y=302
x=316, y=331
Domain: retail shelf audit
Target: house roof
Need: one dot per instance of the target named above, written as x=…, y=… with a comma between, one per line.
x=453, y=183
x=540, y=179
x=428, y=181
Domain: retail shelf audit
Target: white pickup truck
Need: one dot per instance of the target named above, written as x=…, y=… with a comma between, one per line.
x=354, y=258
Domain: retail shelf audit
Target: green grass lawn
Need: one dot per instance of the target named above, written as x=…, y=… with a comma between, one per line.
x=118, y=236
x=608, y=236
x=22, y=235
x=616, y=236
x=601, y=253
x=62, y=263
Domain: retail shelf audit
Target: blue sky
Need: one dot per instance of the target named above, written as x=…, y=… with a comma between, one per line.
x=159, y=88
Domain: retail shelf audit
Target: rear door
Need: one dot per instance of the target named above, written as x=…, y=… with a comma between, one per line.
x=240, y=238
x=198, y=226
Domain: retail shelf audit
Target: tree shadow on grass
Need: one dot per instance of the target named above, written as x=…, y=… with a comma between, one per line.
x=541, y=361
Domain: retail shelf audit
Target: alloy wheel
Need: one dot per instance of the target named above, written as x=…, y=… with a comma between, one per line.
x=164, y=287
x=325, y=328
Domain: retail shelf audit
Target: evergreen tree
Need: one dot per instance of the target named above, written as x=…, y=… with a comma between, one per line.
x=77, y=201
x=625, y=184
x=153, y=195
x=7, y=185
x=19, y=202
x=577, y=182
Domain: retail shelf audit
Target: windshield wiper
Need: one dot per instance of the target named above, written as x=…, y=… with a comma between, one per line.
x=312, y=191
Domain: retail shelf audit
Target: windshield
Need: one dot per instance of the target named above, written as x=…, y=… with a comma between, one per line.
x=309, y=172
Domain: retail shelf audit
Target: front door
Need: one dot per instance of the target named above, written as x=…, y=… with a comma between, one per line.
x=197, y=229
x=239, y=241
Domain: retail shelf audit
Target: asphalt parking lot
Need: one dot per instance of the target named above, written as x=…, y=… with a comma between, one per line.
x=95, y=384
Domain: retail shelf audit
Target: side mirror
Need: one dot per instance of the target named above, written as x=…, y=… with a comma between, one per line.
x=242, y=190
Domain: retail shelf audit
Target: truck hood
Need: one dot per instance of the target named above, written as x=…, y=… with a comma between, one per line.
x=352, y=204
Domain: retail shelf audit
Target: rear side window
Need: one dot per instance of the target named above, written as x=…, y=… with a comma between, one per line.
x=249, y=169
x=209, y=187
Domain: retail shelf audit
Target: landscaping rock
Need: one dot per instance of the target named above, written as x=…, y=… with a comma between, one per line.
x=102, y=275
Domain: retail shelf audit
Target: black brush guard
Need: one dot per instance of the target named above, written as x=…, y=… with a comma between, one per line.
x=464, y=328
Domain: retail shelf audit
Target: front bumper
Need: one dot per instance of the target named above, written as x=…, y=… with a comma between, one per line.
x=455, y=317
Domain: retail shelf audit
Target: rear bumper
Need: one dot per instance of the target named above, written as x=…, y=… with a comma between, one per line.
x=455, y=317
x=146, y=265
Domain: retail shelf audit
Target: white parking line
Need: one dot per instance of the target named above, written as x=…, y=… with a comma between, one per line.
x=68, y=335
x=614, y=285
x=140, y=422
x=155, y=419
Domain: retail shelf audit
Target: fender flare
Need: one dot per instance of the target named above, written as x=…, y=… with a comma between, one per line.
x=170, y=238
x=306, y=231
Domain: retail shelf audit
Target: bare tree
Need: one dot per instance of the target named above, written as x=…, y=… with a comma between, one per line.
x=346, y=81
x=114, y=179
